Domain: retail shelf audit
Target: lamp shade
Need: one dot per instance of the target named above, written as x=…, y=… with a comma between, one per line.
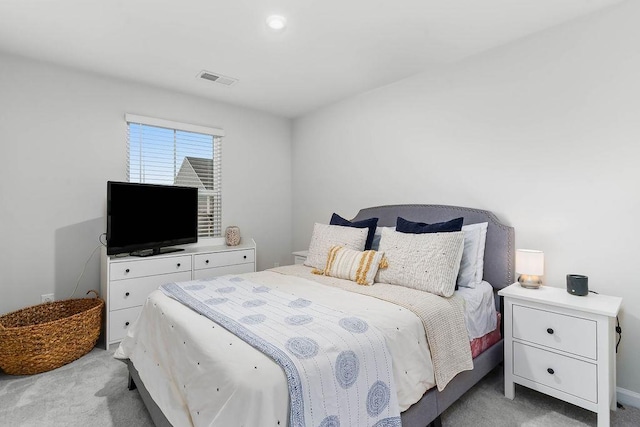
x=530, y=262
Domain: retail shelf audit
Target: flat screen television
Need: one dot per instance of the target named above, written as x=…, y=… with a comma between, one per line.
x=147, y=219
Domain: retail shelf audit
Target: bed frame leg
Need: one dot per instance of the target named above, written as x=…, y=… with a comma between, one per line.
x=436, y=423
x=131, y=385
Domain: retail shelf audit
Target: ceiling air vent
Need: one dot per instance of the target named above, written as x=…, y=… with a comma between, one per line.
x=218, y=78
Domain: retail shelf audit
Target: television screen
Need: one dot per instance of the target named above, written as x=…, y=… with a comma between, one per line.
x=148, y=218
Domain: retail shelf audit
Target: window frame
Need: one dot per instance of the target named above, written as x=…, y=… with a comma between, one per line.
x=209, y=224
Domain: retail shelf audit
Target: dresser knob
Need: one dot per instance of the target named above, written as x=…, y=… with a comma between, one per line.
x=126, y=324
x=126, y=294
x=245, y=257
x=127, y=270
x=551, y=371
x=178, y=264
x=206, y=261
x=550, y=331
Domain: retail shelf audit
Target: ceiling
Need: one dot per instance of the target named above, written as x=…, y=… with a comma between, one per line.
x=330, y=50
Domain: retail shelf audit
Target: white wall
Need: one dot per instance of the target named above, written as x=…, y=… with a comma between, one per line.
x=63, y=135
x=544, y=132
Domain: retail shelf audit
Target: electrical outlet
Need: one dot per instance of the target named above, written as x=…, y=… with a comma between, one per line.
x=276, y=264
x=47, y=298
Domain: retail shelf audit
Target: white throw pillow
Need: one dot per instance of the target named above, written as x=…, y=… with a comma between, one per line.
x=325, y=236
x=427, y=262
x=472, y=263
x=359, y=267
x=378, y=234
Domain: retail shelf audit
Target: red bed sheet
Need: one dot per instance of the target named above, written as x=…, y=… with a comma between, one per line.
x=478, y=345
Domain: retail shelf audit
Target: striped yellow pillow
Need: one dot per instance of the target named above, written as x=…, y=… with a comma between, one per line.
x=360, y=267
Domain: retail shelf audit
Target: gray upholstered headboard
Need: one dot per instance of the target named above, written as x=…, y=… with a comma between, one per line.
x=498, y=253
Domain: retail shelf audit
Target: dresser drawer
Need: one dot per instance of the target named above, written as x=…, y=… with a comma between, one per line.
x=149, y=267
x=560, y=372
x=220, y=259
x=120, y=320
x=207, y=273
x=133, y=292
x=558, y=331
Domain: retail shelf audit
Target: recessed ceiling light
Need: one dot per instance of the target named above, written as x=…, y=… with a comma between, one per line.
x=276, y=22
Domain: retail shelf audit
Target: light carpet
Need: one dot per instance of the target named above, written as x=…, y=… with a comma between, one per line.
x=92, y=391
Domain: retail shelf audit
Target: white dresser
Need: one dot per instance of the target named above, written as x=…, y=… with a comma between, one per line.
x=126, y=281
x=561, y=345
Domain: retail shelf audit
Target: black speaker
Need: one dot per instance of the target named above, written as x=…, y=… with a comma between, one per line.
x=577, y=284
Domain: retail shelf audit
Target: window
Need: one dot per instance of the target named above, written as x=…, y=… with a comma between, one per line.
x=171, y=153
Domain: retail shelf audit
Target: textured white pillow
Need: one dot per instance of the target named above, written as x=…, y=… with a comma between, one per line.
x=427, y=262
x=378, y=234
x=324, y=236
x=472, y=264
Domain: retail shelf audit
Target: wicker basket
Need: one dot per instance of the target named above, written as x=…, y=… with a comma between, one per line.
x=46, y=336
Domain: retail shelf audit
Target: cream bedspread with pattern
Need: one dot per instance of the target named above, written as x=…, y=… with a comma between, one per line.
x=443, y=320
x=200, y=374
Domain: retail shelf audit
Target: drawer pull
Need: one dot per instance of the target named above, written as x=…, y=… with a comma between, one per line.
x=126, y=294
x=127, y=270
x=551, y=371
x=178, y=264
x=550, y=331
x=245, y=257
x=206, y=261
x=126, y=324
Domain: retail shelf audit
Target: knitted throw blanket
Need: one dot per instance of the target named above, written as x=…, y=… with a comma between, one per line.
x=443, y=319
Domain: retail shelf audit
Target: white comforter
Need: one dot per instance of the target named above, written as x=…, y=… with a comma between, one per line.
x=479, y=309
x=200, y=374
x=338, y=367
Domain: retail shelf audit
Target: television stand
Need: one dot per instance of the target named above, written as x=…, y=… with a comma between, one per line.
x=155, y=251
x=126, y=282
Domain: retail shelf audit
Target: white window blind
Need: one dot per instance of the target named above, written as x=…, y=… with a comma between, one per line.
x=172, y=153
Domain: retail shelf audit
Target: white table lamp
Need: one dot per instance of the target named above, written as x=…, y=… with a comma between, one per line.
x=530, y=266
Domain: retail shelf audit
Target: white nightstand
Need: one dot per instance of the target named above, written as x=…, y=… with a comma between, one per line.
x=561, y=345
x=299, y=257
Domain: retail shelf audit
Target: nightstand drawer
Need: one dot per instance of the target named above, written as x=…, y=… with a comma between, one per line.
x=574, y=335
x=299, y=257
x=149, y=267
x=132, y=293
x=220, y=259
x=553, y=370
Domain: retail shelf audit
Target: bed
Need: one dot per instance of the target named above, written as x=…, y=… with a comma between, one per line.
x=158, y=361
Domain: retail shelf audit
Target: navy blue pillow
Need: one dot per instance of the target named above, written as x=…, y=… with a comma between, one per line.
x=405, y=226
x=370, y=223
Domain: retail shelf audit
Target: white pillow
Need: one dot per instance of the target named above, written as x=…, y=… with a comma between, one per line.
x=427, y=262
x=324, y=236
x=472, y=264
x=378, y=234
x=359, y=267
